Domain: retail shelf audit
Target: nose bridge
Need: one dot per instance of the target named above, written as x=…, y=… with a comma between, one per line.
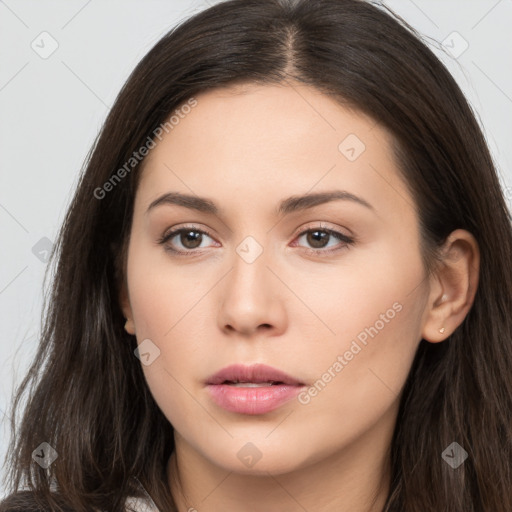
x=249, y=294
x=250, y=260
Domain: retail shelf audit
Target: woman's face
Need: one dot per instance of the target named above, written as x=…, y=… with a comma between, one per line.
x=253, y=286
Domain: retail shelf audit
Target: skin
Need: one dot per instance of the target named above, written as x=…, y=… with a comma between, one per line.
x=246, y=148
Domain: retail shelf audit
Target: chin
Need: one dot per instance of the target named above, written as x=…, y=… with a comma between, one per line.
x=260, y=456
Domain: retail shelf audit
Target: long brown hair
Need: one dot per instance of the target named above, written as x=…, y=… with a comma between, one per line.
x=87, y=396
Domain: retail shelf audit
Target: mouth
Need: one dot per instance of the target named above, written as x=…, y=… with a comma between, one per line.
x=251, y=384
x=256, y=374
x=255, y=389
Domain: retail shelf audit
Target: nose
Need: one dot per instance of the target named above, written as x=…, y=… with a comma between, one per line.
x=251, y=298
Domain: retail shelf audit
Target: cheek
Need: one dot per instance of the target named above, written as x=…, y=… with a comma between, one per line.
x=162, y=293
x=375, y=311
x=164, y=319
x=373, y=297
x=169, y=306
x=169, y=309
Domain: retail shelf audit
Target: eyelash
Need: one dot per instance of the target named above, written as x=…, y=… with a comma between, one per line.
x=348, y=241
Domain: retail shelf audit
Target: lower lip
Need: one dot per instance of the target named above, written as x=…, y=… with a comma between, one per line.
x=252, y=400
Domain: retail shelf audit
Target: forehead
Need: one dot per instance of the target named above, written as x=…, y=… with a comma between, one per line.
x=245, y=140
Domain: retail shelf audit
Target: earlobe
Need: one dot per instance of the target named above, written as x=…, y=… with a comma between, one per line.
x=124, y=302
x=454, y=286
x=129, y=326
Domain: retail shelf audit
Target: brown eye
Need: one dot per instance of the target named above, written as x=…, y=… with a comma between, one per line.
x=318, y=239
x=184, y=241
x=190, y=239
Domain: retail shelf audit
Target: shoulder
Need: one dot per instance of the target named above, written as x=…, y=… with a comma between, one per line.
x=22, y=501
x=26, y=501
x=139, y=500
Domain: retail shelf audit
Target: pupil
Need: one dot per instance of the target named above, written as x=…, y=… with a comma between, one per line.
x=315, y=240
x=194, y=235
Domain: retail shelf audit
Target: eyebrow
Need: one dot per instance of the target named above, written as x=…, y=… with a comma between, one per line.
x=287, y=206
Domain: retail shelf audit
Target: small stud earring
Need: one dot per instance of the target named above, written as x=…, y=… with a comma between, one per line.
x=441, y=330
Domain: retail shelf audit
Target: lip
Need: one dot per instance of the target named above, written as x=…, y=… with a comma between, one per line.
x=253, y=373
x=252, y=400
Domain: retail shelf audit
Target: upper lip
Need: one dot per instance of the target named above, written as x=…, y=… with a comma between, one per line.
x=253, y=373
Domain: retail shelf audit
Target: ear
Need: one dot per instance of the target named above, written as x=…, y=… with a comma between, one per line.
x=124, y=302
x=453, y=286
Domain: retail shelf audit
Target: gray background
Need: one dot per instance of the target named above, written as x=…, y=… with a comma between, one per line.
x=52, y=107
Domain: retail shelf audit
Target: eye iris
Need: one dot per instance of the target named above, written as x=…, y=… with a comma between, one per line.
x=317, y=241
x=185, y=237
